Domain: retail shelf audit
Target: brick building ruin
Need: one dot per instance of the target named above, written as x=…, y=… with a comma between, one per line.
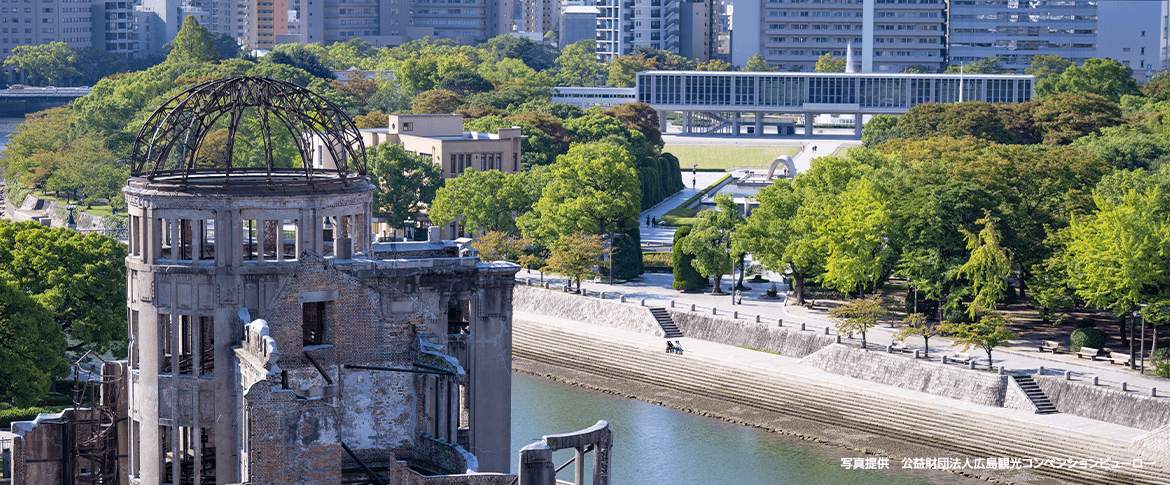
x=271, y=340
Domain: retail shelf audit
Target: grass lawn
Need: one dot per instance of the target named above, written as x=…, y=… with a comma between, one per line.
x=842, y=151
x=727, y=157
x=99, y=209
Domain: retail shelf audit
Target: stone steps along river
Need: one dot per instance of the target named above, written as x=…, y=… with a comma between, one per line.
x=975, y=435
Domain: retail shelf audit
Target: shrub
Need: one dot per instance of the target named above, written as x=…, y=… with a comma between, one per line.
x=1091, y=337
x=1162, y=369
x=1160, y=355
x=7, y=416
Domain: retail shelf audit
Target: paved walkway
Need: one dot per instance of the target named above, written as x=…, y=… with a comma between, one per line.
x=656, y=289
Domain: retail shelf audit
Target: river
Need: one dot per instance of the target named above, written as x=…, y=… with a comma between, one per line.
x=659, y=445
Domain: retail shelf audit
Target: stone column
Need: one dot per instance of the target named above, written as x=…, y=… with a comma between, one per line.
x=536, y=465
x=857, y=125
x=759, y=123
x=808, y=123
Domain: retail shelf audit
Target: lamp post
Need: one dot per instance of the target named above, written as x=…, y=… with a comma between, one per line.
x=1132, y=323
x=1142, y=349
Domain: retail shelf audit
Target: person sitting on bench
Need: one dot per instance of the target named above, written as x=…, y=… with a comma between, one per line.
x=669, y=347
x=677, y=347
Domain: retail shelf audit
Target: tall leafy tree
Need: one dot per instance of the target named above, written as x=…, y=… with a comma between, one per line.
x=1105, y=77
x=49, y=63
x=192, y=44
x=578, y=65
x=80, y=280
x=710, y=240
x=778, y=234
x=853, y=238
x=858, y=315
x=594, y=189
x=489, y=200
x=32, y=347
x=404, y=182
x=987, y=269
x=577, y=255
x=308, y=58
x=1045, y=65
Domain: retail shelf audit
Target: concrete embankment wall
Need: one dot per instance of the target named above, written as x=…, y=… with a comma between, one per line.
x=1106, y=404
x=594, y=311
x=785, y=341
x=898, y=371
x=876, y=409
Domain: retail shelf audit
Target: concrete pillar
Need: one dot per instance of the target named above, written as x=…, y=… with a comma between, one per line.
x=686, y=122
x=857, y=125
x=578, y=466
x=662, y=121
x=808, y=124
x=735, y=123
x=759, y=124
x=536, y=465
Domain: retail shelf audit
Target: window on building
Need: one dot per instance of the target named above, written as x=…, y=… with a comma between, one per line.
x=313, y=323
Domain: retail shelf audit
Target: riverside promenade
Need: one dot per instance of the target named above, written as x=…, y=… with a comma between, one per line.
x=655, y=289
x=852, y=397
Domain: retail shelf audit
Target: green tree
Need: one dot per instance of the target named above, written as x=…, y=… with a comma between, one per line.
x=757, y=64
x=828, y=63
x=917, y=324
x=858, y=315
x=971, y=118
x=32, y=347
x=710, y=240
x=466, y=83
x=714, y=65
x=436, y=101
x=1118, y=257
x=987, y=269
x=1045, y=65
x=577, y=255
x=1105, y=77
x=989, y=332
x=307, y=58
x=50, y=62
x=880, y=129
x=1065, y=117
x=685, y=276
x=488, y=200
x=852, y=238
x=919, y=69
x=404, y=183
x=780, y=235
x=80, y=280
x=192, y=44
x=498, y=246
x=226, y=46
x=578, y=65
x=594, y=189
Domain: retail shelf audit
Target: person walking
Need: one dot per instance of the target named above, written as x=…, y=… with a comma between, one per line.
x=647, y=221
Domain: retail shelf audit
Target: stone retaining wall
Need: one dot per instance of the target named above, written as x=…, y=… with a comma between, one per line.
x=895, y=370
x=1157, y=442
x=1106, y=404
x=594, y=311
x=1016, y=398
x=786, y=341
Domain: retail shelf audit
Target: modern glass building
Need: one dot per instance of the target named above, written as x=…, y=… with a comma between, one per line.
x=744, y=102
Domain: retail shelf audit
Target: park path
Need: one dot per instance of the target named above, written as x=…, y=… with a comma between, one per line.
x=1020, y=356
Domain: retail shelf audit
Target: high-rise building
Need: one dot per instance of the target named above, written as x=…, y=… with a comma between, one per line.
x=886, y=35
x=1136, y=33
x=625, y=24
x=43, y=22
x=540, y=16
x=695, y=26
x=1016, y=31
x=391, y=22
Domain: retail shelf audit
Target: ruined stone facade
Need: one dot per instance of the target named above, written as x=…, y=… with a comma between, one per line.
x=259, y=349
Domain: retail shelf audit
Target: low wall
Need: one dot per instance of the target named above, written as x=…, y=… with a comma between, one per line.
x=1157, y=442
x=594, y=311
x=57, y=213
x=785, y=341
x=1106, y=404
x=910, y=374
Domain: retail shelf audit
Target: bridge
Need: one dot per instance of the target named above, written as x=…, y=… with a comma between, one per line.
x=17, y=102
x=763, y=103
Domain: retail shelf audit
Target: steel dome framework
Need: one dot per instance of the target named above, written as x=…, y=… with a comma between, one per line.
x=168, y=145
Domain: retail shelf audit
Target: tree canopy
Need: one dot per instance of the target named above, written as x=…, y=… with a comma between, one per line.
x=192, y=44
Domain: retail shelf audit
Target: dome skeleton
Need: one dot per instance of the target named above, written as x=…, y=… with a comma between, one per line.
x=185, y=120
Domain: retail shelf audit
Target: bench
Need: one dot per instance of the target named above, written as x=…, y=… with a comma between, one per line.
x=899, y=346
x=1050, y=346
x=1089, y=352
x=962, y=357
x=1120, y=358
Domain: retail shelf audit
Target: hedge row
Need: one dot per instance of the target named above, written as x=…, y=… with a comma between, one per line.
x=681, y=215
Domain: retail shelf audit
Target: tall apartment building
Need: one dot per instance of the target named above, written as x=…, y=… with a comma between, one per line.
x=886, y=35
x=391, y=22
x=625, y=24
x=540, y=16
x=1134, y=32
x=695, y=19
x=25, y=22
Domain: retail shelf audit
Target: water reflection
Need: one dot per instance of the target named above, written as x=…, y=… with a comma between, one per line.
x=659, y=445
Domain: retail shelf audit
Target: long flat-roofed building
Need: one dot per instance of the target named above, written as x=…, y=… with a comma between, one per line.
x=738, y=102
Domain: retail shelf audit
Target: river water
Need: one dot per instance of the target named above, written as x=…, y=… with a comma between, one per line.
x=659, y=445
